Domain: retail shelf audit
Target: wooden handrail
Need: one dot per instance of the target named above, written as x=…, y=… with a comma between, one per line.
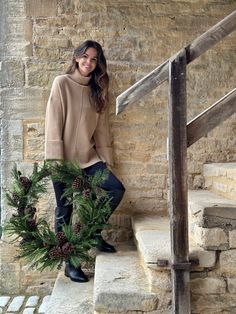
x=160, y=74
x=178, y=205
x=211, y=117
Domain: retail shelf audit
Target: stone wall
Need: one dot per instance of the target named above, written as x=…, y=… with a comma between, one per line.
x=37, y=40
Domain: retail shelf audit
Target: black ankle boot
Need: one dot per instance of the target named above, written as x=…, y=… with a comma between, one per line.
x=103, y=246
x=75, y=274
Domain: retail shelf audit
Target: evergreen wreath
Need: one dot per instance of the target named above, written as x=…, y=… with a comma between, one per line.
x=39, y=245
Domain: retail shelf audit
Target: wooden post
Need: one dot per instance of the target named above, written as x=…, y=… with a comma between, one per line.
x=178, y=185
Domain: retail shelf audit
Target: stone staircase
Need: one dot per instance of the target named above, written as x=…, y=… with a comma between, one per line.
x=137, y=278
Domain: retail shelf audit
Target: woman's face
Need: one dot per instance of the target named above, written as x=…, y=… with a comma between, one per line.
x=87, y=62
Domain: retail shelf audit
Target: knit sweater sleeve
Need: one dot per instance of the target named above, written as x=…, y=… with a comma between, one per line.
x=102, y=139
x=54, y=122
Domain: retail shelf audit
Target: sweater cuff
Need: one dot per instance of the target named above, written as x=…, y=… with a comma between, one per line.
x=105, y=153
x=54, y=150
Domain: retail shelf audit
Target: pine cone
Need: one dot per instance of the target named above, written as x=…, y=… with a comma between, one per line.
x=86, y=193
x=61, y=238
x=67, y=249
x=15, y=197
x=77, y=183
x=55, y=253
x=26, y=182
x=77, y=228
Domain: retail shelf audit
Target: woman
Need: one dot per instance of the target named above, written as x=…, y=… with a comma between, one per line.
x=77, y=130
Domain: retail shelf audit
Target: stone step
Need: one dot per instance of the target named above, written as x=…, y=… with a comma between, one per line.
x=212, y=219
x=71, y=297
x=221, y=178
x=152, y=235
x=120, y=285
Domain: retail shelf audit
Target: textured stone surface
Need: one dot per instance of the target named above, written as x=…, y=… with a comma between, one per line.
x=211, y=239
x=40, y=8
x=120, y=284
x=16, y=304
x=32, y=301
x=213, y=303
x=232, y=239
x=71, y=297
x=221, y=178
x=4, y=300
x=44, y=305
x=29, y=310
x=208, y=286
x=153, y=240
x=12, y=73
x=211, y=210
x=228, y=263
x=231, y=283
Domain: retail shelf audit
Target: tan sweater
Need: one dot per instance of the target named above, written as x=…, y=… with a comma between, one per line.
x=74, y=130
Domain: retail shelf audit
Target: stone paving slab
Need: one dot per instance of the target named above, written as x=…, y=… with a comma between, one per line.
x=152, y=234
x=24, y=304
x=211, y=210
x=120, y=284
x=70, y=297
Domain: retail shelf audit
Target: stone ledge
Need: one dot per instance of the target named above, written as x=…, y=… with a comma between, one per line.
x=120, y=284
x=152, y=234
x=220, y=169
x=71, y=297
x=210, y=210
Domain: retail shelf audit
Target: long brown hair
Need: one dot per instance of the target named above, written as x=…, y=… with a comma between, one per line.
x=99, y=81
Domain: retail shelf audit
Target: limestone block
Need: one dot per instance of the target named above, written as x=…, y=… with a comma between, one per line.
x=212, y=303
x=33, y=140
x=12, y=73
x=231, y=283
x=207, y=259
x=43, y=73
x=208, y=285
x=10, y=278
x=12, y=140
x=57, y=41
x=211, y=239
x=56, y=24
x=13, y=41
x=120, y=284
x=232, y=239
x=40, y=8
x=228, y=263
x=26, y=103
x=211, y=210
x=47, y=53
x=65, y=290
x=28, y=30
x=159, y=281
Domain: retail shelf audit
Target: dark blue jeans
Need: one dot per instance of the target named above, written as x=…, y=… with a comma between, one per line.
x=112, y=185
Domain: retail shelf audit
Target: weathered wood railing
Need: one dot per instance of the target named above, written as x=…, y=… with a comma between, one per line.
x=160, y=74
x=180, y=137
